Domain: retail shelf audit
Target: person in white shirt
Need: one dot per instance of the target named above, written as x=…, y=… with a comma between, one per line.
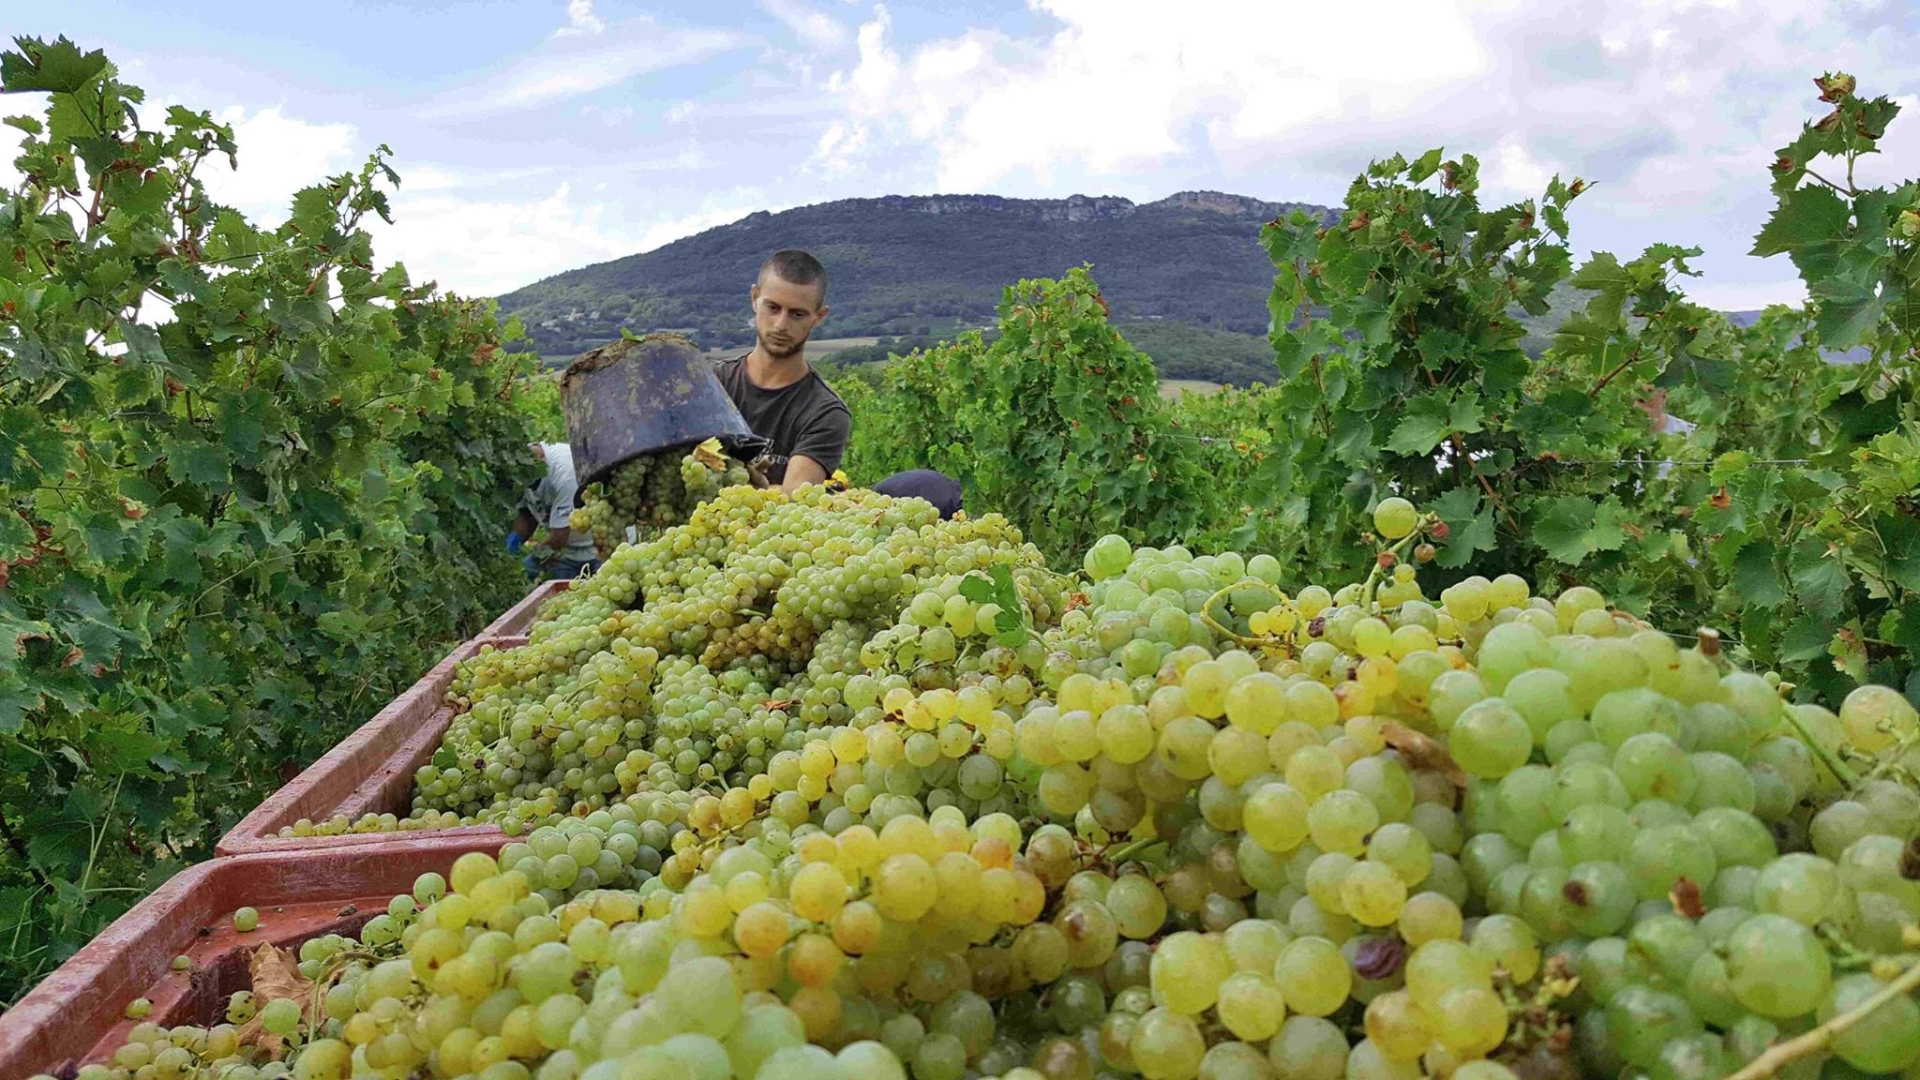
x=560, y=553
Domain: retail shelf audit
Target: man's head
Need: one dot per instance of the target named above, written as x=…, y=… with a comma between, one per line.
x=789, y=300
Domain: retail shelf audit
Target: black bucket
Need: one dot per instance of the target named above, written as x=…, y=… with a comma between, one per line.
x=642, y=396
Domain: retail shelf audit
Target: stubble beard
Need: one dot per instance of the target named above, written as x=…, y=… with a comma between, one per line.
x=777, y=353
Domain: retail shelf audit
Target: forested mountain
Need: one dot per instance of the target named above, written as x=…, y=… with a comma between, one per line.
x=912, y=265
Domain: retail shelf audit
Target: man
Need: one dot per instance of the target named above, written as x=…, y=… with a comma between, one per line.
x=779, y=395
x=786, y=402
x=559, y=554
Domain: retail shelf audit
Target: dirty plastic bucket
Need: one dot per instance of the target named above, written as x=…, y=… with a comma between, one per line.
x=642, y=396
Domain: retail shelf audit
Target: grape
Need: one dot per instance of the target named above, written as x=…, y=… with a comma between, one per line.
x=1395, y=517
x=1308, y=1048
x=245, y=919
x=1313, y=976
x=1188, y=970
x=1776, y=967
x=1490, y=739
x=1887, y=1039
x=1874, y=717
x=281, y=1016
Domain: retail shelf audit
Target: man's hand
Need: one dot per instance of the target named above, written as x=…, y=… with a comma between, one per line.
x=556, y=539
x=514, y=541
x=801, y=469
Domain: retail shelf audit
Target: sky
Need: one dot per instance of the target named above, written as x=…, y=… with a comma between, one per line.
x=538, y=136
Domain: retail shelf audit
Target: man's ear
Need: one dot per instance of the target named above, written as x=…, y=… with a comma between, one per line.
x=821, y=316
x=753, y=295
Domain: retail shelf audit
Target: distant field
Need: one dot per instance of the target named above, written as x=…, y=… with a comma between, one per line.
x=1171, y=388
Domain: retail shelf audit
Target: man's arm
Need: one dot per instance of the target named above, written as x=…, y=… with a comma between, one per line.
x=524, y=524
x=819, y=449
x=802, y=469
x=556, y=538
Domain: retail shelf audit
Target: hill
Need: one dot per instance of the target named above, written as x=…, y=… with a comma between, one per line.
x=1185, y=275
x=910, y=266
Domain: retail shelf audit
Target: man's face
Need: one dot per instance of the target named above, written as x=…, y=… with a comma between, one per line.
x=784, y=314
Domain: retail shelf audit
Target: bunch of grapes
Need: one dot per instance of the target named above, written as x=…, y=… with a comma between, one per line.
x=652, y=492
x=823, y=787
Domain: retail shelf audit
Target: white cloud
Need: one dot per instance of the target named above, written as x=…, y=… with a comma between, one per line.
x=1671, y=108
x=486, y=244
x=815, y=28
x=1125, y=85
x=278, y=155
x=572, y=65
x=580, y=20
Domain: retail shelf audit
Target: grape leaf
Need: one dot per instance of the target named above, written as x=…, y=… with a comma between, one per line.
x=1431, y=418
x=1010, y=627
x=1571, y=527
x=1754, y=576
x=1810, y=226
x=1819, y=581
x=1469, y=524
x=59, y=68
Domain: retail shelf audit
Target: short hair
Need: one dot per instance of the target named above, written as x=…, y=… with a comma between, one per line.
x=796, y=266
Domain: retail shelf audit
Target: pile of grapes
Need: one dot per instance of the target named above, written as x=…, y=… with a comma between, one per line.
x=653, y=492
x=823, y=788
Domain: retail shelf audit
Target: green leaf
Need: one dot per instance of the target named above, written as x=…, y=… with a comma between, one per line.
x=1755, y=578
x=1010, y=627
x=1431, y=418
x=1571, y=527
x=1352, y=440
x=59, y=68
x=1609, y=282
x=1810, y=225
x=199, y=463
x=1819, y=580
x=1469, y=526
x=17, y=699
x=1426, y=165
x=16, y=536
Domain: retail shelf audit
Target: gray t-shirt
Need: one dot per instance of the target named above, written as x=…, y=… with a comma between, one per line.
x=551, y=501
x=806, y=417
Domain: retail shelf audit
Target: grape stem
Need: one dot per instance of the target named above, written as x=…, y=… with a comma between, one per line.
x=1397, y=548
x=1128, y=850
x=1847, y=777
x=1206, y=610
x=1822, y=1037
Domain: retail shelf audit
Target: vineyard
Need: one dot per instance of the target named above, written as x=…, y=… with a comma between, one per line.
x=1440, y=709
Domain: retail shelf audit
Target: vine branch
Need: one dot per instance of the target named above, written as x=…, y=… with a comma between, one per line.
x=1820, y=1038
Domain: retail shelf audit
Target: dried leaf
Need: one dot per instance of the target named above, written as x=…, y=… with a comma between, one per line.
x=1685, y=897
x=1424, y=752
x=276, y=974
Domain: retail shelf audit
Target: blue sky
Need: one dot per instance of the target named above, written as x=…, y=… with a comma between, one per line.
x=534, y=137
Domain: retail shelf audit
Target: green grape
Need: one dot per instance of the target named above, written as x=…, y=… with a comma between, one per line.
x=1395, y=517
x=1313, y=976
x=1887, y=1039
x=1490, y=739
x=281, y=1016
x=1308, y=1048
x=1188, y=970
x=1777, y=968
x=1645, y=1020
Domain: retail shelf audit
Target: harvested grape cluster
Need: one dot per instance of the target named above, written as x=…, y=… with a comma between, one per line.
x=653, y=492
x=825, y=788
